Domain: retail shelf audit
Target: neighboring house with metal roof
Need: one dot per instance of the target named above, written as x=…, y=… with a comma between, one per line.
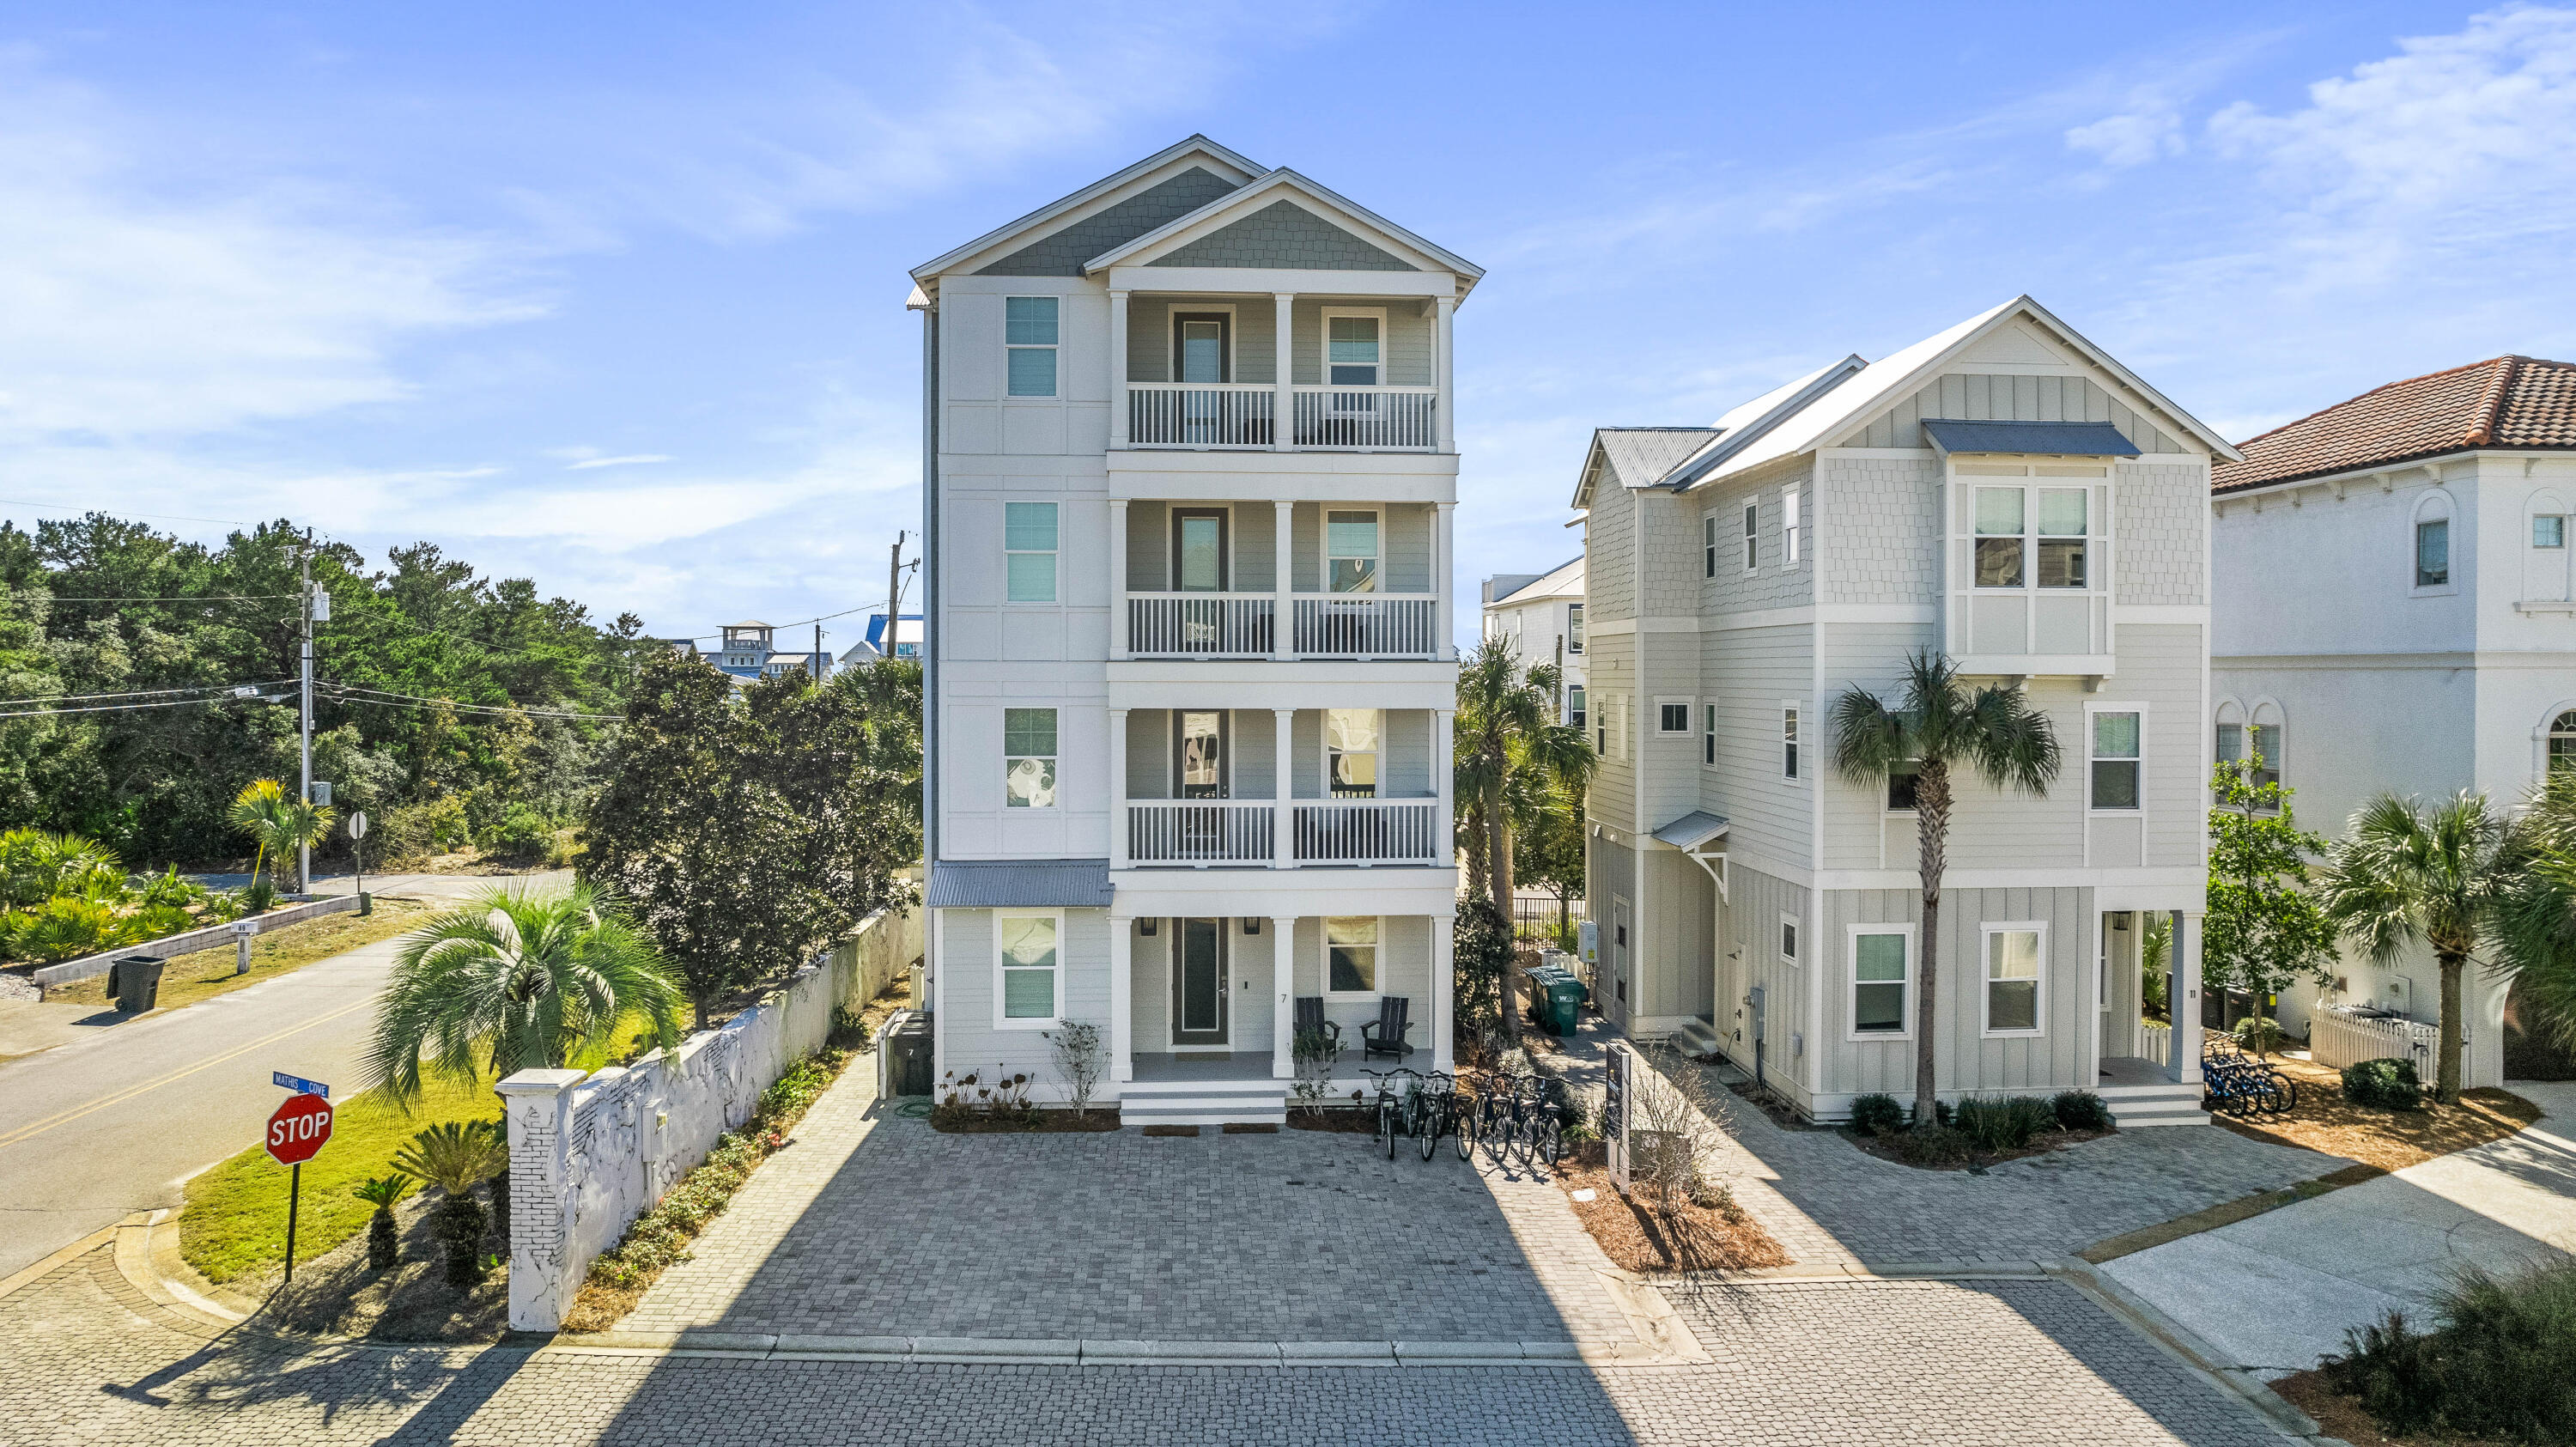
x=1188, y=510
x=2005, y=493
x=1539, y=616
x=872, y=644
x=2395, y=611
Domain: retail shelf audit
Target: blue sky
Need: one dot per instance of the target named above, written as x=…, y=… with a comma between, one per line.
x=611, y=296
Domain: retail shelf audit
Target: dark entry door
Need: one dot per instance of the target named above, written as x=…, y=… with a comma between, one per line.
x=1199, y=985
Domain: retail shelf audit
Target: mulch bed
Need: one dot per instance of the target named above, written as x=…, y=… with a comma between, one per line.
x=2389, y=1139
x=335, y=1294
x=1341, y=1121
x=1034, y=1122
x=2341, y=1416
x=1709, y=1238
x=1884, y=1148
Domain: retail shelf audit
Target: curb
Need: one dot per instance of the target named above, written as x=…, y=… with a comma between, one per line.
x=148, y=1258
x=2190, y=1348
x=1076, y=1352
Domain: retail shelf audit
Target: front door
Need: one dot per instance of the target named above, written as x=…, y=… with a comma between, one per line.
x=1619, y=975
x=1199, y=985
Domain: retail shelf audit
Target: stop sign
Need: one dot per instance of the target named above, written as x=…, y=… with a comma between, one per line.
x=298, y=1128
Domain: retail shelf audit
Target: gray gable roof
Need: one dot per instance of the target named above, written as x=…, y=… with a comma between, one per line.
x=2058, y=439
x=1693, y=829
x=1019, y=884
x=1062, y=253
x=1640, y=456
x=1283, y=234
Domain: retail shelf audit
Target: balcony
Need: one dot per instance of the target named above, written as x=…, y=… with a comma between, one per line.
x=1201, y=625
x=1244, y=416
x=1359, y=626
x=1278, y=372
x=1346, y=833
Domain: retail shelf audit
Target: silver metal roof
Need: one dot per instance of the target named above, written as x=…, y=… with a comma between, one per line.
x=1693, y=829
x=1019, y=884
x=2060, y=439
x=1640, y=456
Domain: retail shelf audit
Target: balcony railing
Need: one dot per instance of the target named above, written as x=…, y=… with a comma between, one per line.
x=1219, y=414
x=1367, y=831
x=1200, y=831
x=1200, y=625
x=1366, y=417
x=1365, y=625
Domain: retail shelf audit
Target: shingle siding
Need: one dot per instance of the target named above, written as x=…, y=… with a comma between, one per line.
x=2160, y=519
x=1062, y=253
x=1879, y=519
x=1283, y=235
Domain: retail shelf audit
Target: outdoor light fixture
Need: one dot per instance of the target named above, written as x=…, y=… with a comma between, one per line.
x=1251, y=924
x=1145, y=927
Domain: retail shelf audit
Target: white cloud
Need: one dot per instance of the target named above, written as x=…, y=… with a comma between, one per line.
x=631, y=460
x=2131, y=139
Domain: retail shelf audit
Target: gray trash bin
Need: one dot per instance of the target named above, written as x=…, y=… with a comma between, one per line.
x=134, y=983
x=908, y=1056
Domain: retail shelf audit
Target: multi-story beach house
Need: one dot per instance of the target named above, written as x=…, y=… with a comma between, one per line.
x=1189, y=475
x=2395, y=613
x=2006, y=494
x=1539, y=617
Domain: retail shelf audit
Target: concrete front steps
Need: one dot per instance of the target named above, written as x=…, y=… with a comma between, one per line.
x=2163, y=1103
x=1203, y=1102
x=1696, y=1038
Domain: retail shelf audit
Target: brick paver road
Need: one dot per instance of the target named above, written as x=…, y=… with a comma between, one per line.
x=1858, y=1362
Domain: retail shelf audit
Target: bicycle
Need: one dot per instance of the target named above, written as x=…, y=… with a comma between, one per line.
x=1435, y=1111
x=1541, y=1121
x=2240, y=1086
x=1392, y=1106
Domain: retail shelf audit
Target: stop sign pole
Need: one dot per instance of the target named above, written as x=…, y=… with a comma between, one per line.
x=297, y=1131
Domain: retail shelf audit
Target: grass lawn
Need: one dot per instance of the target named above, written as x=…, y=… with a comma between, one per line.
x=234, y=1224
x=206, y=973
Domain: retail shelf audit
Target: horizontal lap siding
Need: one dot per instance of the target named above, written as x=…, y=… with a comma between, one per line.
x=1871, y=655
x=1407, y=541
x=2160, y=666
x=1412, y=342
x=1966, y=1061
x=1748, y=673
x=1404, y=968
x=1149, y=336
x=967, y=982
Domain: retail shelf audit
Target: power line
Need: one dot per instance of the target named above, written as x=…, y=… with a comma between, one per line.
x=127, y=707
x=351, y=693
x=139, y=693
x=201, y=598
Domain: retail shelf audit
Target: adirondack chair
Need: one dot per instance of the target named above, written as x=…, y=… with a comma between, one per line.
x=1310, y=1017
x=1385, y=1034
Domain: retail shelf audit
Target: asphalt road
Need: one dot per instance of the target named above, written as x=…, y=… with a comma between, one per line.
x=114, y=1122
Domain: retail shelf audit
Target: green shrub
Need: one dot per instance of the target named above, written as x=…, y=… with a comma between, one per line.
x=521, y=835
x=1940, y=1113
x=2260, y=1034
x=1877, y=1114
x=2003, y=1123
x=410, y=833
x=1938, y=1146
x=2502, y=1364
x=67, y=927
x=2388, y=1084
x=2080, y=1110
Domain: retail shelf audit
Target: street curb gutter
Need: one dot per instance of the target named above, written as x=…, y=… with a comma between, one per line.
x=2191, y=1349
x=1072, y=1352
x=27, y=1276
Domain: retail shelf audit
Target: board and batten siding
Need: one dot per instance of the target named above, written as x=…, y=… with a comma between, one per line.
x=1748, y=956
x=967, y=981
x=1979, y=397
x=1676, y=936
x=1967, y=1061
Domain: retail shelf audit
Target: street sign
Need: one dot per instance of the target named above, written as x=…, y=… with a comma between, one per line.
x=1617, y=1102
x=358, y=824
x=298, y=1129
x=298, y=1083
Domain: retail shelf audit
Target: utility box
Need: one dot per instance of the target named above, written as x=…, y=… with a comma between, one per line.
x=134, y=983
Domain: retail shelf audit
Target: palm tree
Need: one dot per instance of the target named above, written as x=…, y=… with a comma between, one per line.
x=456, y=1156
x=1939, y=725
x=2445, y=877
x=383, y=1246
x=37, y=864
x=1515, y=764
x=2537, y=924
x=278, y=821
x=514, y=981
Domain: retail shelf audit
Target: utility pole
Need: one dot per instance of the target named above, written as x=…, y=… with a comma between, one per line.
x=815, y=668
x=894, y=597
x=304, y=705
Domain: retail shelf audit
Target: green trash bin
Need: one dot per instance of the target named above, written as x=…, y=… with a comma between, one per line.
x=1560, y=999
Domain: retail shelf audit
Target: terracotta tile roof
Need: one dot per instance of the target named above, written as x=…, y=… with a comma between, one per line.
x=2500, y=402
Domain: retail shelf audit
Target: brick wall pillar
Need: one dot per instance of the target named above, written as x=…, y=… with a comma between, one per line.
x=537, y=1104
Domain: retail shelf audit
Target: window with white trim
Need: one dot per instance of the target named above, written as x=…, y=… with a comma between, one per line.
x=2432, y=552
x=1788, y=741
x=1028, y=758
x=1788, y=939
x=2013, y=955
x=1029, y=336
x=2562, y=742
x=1614, y=722
x=1672, y=715
x=1574, y=628
x=1792, y=529
x=1027, y=951
x=1350, y=955
x=1901, y=781
x=1708, y=734
x=1350, y=752
x=1708, y=545
x=2117, y=737
x=1575, y=713
x=1351, y=342
x=1029, y=542
x=2549, y=530
x=1882, y=971
x=1752, y=536
x=1350, y=552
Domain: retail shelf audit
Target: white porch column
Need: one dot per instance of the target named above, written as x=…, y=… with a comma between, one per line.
x=1283, y=851
x=1444, y=563
x=1283, y=985
x=1283, y=602
x=1283, y=400
x=1116, y=793
x=1443, y=982
x=1444, y=773
x=1122, y=990
x=1118, y=374
x=2185, y=996
x=1445, y=406
x=1118, y=609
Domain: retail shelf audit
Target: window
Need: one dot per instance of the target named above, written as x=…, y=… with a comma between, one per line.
x=2433, y=553
x=1882, y=963
x=2012, y=979
x=1788, y=741
x=1199, y=549
x=2549, y=530
x=1202, y=347
x=1026, y=961
x=2264, y=740
x=2115, y=759
x=1708, y=545
x=1614, y=724
x=1672, y=717
x=2562, y=742
x=1574, y=628
x=1788, y=939
x=1350, y=752
x=1790, y=529
x=1350, y=552
x=1352, y=358
x=1028, y=758
x=1574, y=711
x=1708, y=733
x=2061, y=536
x=1999, y=540
x=1028, y=551
x=1752, y=536
x=1198, y=754
x=1350, y=955
x=1029, y=336
x=1900, y=787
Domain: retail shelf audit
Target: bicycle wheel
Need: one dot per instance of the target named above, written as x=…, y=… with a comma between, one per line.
x=1386, y=1125
x=1549, y=1138
x=2284, y=1095
x=1465, y=1125
x=1433, y=1113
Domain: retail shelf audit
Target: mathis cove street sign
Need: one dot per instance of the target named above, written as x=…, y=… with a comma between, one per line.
x=298, y=1129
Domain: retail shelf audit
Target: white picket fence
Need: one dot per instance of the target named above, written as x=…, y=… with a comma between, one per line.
x=2154, y=1042
x=2337, y=1038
